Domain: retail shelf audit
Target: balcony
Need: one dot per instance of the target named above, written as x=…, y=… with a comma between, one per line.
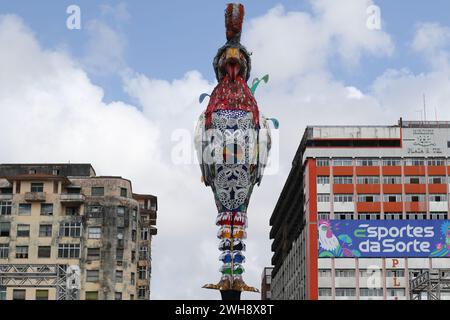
x=344, y=207
x=153, y=231
x=438, y=206
x=72, y=198
x=4, y=197
x=35, y=196
x=368, y=206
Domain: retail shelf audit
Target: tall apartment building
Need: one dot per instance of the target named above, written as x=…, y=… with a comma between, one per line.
x=364, y=214
x=68, y=234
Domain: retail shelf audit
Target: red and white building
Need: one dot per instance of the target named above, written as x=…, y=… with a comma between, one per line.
x=360, y=173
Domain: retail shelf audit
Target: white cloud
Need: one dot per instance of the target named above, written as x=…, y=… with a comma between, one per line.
x=433, y=40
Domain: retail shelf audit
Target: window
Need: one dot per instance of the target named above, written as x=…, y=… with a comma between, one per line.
x=45, y=230
x=5, y=208
x=343, y=180
x=55, y=172
x=345, y=273
x=438, y=197
x=37, y=187
x=46, y=209
x=325, y=292
x=95, y=211
x=415, y=179
x=368, y=198
x=322, y=162
x=120, y=211
x=131, y=296
x=93, y=253
x=414, y=162
x=70, y=229
x=72, y=211
x=438, y=216
x=392, y=198
x=416, y=216
x=395, y=292
x=22, y=252
x=343, y=216
x=321, y=197
x=369, y=216
x=4, y=251
x=119, y=254
x=392, y=162
x=118, y=296
x=97, y=191
x=323, y=180
x=91, y=295
x=55, y=186
x=132, y=278
x=325, y=273
x=393, y=216
x=343, y=198
x=368, y=180
x=395, y=273
x=141, y=292
x=24, y=209
x=436, y=162
x=436, y=179
x=69, y=251
x=18, y=187
x=5, y=229
x=19, y=294
x=123, y=192
x=367, y=162
x=143, y=253
x=92, y=275
x=345, y=292
x=6, y=190
x=133, y=235
x=371, y=292
x=94, y=232
x=2, y=293
x=392, y=180
x=41, y=294
x=119, y=276
x=44, y=251
x=144, y=234
x=323, y=215
x=142, y=272
x=342, y=162
x=415, y=197
x=23, y=230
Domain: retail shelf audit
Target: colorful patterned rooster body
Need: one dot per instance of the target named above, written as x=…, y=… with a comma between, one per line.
x=232, y=142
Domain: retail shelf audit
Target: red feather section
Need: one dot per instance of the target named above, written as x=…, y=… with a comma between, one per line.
x=232, y=95
x=234, y=17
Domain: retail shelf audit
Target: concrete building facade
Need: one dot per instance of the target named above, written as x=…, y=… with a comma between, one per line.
x=349, y=182
x=67, y=234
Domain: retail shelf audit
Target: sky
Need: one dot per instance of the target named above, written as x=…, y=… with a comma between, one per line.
x=119, y=91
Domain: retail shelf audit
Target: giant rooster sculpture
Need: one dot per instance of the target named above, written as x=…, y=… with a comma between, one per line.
x=232, y=141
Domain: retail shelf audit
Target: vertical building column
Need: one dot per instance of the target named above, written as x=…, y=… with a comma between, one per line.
x=312, y=231
x=427, y=191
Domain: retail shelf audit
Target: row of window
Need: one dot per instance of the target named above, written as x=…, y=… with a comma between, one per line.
x=325, y=197
x=350, y=273
x=370, y=162
x=24, y=209
x=385, y=179
x=377, y=216
x=363, y=292
x=66, y=229
x=39, y=187
x=68, y=251
x=42, y=294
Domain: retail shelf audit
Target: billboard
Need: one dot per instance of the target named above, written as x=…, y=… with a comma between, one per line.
x=384, y=238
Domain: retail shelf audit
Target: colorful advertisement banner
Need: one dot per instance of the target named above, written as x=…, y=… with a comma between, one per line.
x=384, y=238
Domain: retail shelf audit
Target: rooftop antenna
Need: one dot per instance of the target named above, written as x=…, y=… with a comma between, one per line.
x=424, y=108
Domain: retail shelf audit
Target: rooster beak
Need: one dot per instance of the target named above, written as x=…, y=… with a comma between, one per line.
x=233, y=63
